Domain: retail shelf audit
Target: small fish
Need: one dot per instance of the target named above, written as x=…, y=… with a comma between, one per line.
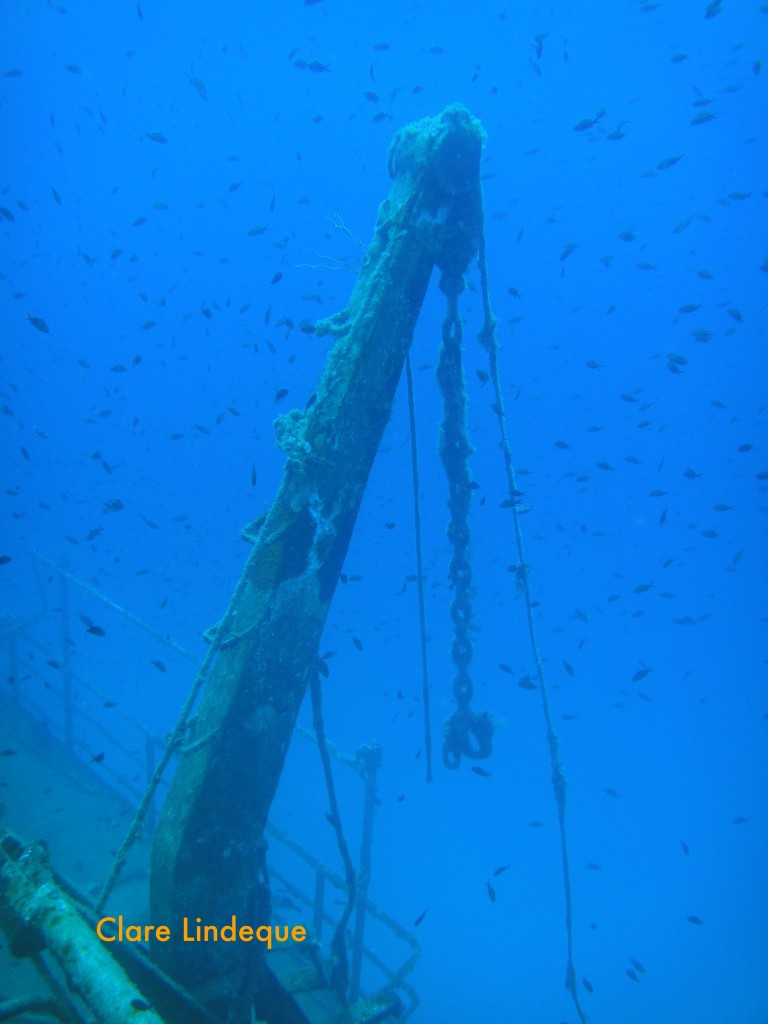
x=637, y=965
x=613, y=793
x=692, y=919
x=156, y=137
x=198, y=86
x=280, y=394
x=685, y=847
x=95, y=630
x=158, y=665
x=358, y=643
x=631, y=974
x=667, y=162
x=8, y=752
x=506, y=668
x=419, y=919
x=569, y=668
x=501, y=870
x=480, y=771
x=98, y=758
x=39, y=323
x=587, y=984
x=491, y=892
x=683, y=224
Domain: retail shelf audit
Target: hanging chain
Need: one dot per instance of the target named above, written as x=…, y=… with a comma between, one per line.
x=466, y=732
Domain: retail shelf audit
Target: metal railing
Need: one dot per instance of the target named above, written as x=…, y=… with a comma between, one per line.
x=68, y=717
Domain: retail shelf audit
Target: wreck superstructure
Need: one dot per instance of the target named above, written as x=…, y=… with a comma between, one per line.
x=209, y=847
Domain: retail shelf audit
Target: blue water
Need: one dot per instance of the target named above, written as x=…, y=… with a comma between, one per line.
x=161, y=165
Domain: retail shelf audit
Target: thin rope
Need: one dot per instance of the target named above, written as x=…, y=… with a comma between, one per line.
x=340, y=969
x=487, y=337
x=419, y=570
x=174, y=741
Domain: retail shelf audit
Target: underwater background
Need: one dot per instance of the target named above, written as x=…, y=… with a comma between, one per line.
x=182, y=187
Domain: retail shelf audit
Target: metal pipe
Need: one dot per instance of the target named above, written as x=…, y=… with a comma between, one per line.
x=369, y=759
x=317, y=917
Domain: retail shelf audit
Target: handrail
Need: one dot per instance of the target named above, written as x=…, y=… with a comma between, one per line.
x=16, y=631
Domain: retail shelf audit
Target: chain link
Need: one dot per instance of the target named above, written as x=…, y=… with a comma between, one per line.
x=466, y=732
